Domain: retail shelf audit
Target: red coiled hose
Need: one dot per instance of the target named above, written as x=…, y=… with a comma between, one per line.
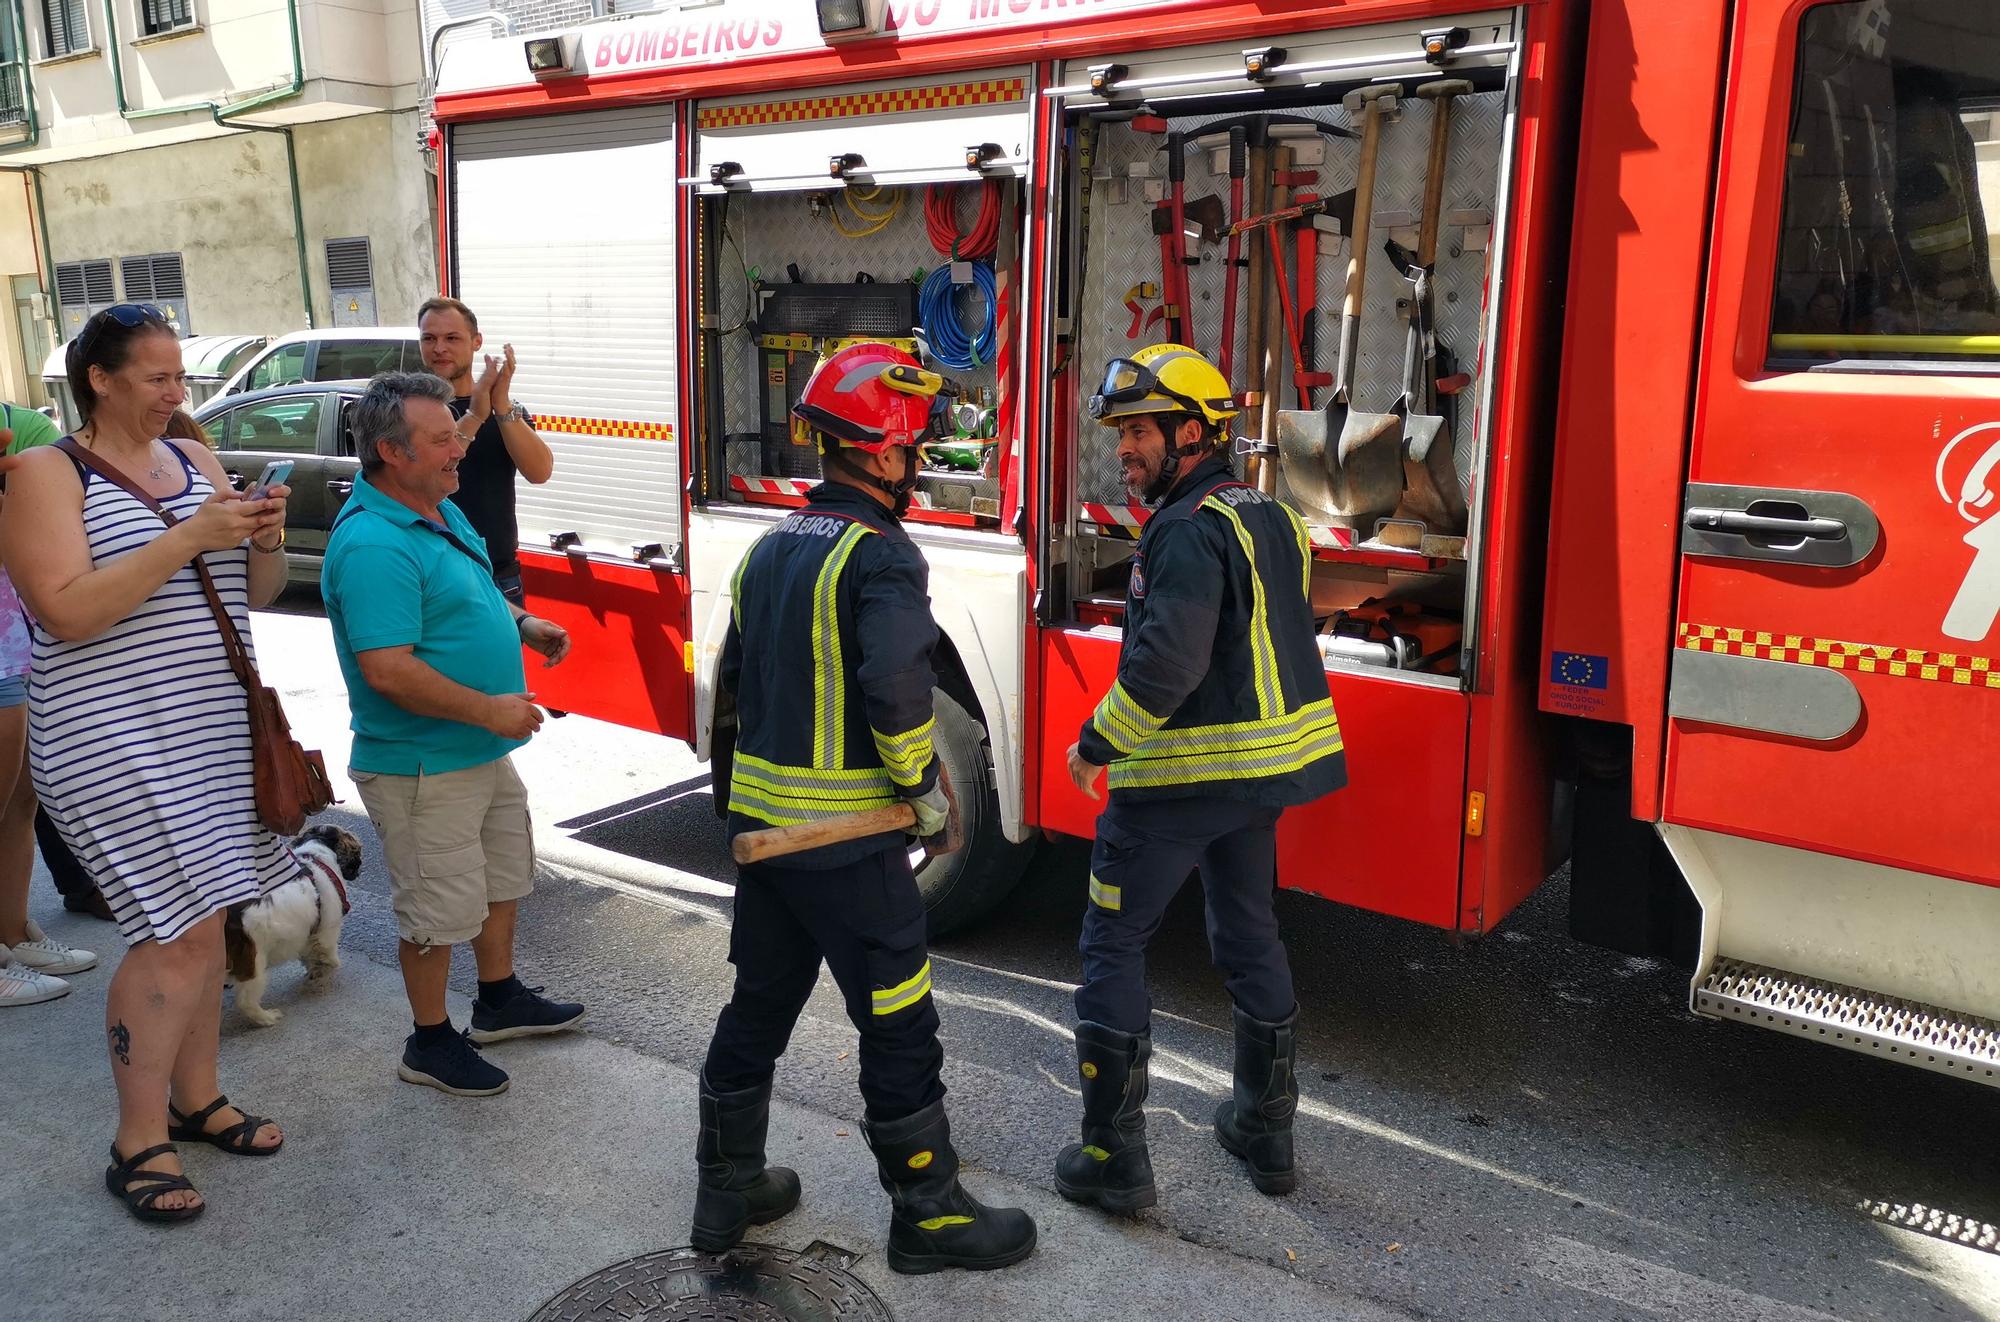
x=941, y=219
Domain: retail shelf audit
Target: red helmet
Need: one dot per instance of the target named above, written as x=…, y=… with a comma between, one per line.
x=870, y=396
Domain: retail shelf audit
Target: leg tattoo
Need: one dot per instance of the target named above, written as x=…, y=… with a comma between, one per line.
x=121, y=1042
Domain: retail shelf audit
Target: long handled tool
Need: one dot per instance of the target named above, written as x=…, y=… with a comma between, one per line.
x=755, y=846
x=1430, y=474
x=1279, y=321
x=1262, y=468
x=1239, y=162
x=777, y=841
x=1343, y=464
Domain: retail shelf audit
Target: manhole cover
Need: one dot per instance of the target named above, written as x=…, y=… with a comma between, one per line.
x=752, y=1283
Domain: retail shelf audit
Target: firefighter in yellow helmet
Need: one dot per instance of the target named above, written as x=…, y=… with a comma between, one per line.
x=1218, y=721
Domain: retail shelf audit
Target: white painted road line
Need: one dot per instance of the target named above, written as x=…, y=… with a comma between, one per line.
x=1661, y=1290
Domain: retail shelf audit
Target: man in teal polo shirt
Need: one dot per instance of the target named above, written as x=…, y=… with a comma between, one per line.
x=432, y=656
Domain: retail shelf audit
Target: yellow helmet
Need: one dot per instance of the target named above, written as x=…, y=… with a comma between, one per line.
x=1163, y=378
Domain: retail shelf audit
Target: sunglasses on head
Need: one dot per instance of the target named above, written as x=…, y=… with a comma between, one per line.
x=129, y=315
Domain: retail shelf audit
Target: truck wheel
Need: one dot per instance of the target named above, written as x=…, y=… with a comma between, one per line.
x=962, y=887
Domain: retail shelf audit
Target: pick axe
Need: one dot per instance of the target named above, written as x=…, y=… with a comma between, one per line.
x=1344, y=464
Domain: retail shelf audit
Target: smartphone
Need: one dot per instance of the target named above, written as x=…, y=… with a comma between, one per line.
x=275, y=474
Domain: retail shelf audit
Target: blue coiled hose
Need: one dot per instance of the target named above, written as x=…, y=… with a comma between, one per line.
x=949, y=343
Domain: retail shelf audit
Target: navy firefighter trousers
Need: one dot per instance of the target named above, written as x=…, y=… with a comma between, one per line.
x=866, y=919
x=1144, y=852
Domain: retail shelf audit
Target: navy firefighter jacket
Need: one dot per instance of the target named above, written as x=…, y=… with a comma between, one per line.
x=1220, y=691
x=829, y=658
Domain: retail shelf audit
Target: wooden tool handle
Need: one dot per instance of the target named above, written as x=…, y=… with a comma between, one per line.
x=1440, y=95
x=754, y=846
x=1364, y=205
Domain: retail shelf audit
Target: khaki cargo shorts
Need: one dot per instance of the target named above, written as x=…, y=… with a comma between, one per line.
x=456, y=842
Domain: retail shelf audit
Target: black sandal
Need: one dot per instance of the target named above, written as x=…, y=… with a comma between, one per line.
x=123, y=1174
x=237, y=1139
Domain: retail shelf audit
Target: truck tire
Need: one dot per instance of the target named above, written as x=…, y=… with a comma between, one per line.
x=961, y=888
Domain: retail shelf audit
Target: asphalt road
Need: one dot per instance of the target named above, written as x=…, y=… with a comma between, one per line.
x=1519, y=1128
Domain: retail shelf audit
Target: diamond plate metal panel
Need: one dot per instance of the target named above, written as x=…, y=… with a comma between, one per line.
x=1123, y=252
x=777, y=230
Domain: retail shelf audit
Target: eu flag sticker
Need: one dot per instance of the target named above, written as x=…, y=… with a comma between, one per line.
x=1579, y=670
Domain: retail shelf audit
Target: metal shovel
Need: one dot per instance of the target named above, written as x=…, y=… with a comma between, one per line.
x=1430, y=474
x=1343, y=465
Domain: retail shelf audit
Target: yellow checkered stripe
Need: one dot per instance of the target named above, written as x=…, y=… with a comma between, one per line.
x=621, y=427
x=943, y=96
x=888, y=1000
x=1867, y=658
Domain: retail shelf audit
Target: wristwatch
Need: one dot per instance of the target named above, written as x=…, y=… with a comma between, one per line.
x=517, y=413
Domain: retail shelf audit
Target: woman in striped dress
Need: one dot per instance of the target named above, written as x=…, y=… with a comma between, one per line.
x=139, y=732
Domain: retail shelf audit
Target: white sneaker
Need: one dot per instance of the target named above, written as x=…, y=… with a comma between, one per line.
x=20, y=985
x=45, y=954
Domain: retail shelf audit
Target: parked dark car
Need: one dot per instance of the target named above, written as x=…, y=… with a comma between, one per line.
x=307, y=424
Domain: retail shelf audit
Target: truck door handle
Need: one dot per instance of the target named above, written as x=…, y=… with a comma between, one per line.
x=1785, y=525
x=1744, y=524
x=339, y=488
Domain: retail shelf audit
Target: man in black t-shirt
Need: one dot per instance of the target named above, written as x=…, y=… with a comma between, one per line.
x=500, y=434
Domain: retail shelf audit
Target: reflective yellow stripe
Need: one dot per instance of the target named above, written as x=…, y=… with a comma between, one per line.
x=940, y=1222
x=1106, y=897
x=830, y=691
x=903, y=995
x=790, y=796
x=736, y=585
x=1305, y=546
x=1263, y=654
x=1244, y=750
x=1124, y=723
x=906, y=755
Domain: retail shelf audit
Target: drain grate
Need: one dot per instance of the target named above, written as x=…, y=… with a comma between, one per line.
x=750, y=1283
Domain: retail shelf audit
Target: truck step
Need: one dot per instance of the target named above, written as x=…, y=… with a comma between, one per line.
x=1908, y=1032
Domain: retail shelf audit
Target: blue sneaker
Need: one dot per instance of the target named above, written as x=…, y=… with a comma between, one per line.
x=451, y=1064
x=524, y=1014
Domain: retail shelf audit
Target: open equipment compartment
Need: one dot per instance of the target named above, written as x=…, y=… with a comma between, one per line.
x=1396, y=600
x=834, y=217
x=1390, y=587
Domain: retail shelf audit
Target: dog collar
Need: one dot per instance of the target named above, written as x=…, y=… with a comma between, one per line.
x=332, y=874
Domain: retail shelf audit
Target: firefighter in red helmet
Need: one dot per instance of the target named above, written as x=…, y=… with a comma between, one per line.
x=828, y=657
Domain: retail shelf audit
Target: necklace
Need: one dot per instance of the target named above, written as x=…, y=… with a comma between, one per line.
x=158, y=472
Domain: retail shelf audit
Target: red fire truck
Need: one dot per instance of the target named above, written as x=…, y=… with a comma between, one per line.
x=1631, y=364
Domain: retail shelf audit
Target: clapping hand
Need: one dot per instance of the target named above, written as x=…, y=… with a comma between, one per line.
x=503, y=384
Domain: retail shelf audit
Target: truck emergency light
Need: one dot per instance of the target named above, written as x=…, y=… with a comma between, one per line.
x=554, y=57
x=846, y=163
x=1105, y=77
x=845, y=20
x=977, y=155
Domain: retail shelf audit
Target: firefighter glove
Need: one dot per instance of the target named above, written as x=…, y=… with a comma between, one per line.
x=933, y=810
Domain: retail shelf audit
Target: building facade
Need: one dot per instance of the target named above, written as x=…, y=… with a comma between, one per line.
x=253, y=166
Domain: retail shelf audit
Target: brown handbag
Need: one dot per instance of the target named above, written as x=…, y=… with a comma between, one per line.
x=290, y=780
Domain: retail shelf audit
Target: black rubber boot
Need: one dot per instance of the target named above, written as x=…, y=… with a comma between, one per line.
x=1256, y=1123
x=1111, y=1166
x=736, y=1190
x=934, y=1223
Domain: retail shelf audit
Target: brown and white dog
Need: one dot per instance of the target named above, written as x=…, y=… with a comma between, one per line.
x=300, y=919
